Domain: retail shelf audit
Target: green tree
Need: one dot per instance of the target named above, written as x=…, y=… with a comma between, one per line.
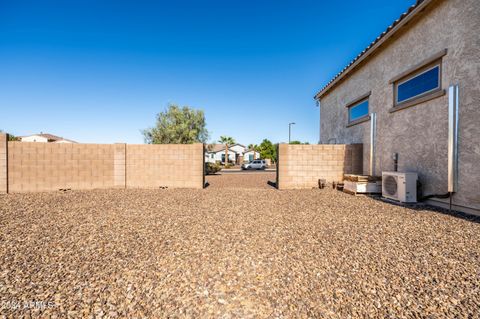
x=299, y=143
x=254, y=148
x=178, y=125
x=11, y=137
x=268, y=150
x=226, y=140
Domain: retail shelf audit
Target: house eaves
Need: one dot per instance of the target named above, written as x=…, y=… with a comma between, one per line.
x=392, y=29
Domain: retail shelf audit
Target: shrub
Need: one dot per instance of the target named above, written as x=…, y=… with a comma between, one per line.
x=211, y=168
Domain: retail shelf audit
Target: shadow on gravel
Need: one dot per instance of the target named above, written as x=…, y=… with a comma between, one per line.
x=273, y=184
x=453, y=213
x=257, y=180
x=420, y=206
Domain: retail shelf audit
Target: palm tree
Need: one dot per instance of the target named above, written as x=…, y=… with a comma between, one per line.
x=227, y=140
x=254, y=148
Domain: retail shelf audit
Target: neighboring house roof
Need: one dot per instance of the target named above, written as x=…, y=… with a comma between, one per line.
x=213, y=148
x=237, y=144
x=248, y=151
x=413, y=11
x=50, y=137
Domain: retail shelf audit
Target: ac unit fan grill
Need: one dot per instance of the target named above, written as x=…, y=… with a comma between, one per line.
x=390, y=185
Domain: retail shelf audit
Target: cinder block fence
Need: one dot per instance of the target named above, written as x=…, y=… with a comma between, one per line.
x=301, y=166
x=3, y=163
x=35, y=167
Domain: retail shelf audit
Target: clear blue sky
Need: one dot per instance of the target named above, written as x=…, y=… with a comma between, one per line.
x=99, y=71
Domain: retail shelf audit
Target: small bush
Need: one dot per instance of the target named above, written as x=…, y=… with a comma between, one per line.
x=211, y=168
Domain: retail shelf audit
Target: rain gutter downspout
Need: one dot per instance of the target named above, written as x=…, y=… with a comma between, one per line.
x=373, y=133
x=453, y=112
x=452, y=140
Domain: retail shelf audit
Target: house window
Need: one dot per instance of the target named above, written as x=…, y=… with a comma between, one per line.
x=418, y=85
x=358, y=111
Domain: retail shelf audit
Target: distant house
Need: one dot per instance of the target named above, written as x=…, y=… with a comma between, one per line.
x=244, y=154
x=250, y=155
x=44, y=138
x=237, y=153
x=216, y=153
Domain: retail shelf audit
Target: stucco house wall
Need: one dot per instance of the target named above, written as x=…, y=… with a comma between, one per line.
x=217, y=156
x=45, y=138
x=34, y=138
x=238, y=148
x=209, y=158
x=418, y=133
x=247, y=155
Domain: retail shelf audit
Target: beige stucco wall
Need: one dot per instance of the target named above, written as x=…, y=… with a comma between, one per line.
x=34, y=167
x=419, y=134
x=301, y=166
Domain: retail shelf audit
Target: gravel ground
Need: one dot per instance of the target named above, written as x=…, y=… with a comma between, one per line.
x=252, y=179
x=233, y=253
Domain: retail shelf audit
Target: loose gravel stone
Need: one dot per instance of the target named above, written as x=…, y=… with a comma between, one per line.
x=233, y=252
x=246, y=179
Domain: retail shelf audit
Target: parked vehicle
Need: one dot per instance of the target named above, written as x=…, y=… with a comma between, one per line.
x=256, y=164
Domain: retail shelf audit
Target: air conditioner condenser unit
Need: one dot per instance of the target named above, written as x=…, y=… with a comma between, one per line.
x=401, y=187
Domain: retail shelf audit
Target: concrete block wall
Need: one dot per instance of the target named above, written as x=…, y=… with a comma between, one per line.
x=119, y=165
x=35, y=167
x=165, y=165
x=3, y=163
x=301, y=166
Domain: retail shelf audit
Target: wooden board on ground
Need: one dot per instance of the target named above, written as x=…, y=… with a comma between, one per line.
x=362, y=188
x=361, y=178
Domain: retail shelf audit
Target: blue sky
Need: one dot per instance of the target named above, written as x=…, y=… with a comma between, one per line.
x=99, y=71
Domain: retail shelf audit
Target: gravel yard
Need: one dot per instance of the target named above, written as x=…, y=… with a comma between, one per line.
x=248, y=179
x=233, y=253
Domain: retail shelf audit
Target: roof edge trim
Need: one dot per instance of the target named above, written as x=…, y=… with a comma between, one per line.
x=390, y=31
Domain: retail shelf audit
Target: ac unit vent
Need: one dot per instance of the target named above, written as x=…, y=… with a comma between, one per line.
x=399, y=186
x=390, y=187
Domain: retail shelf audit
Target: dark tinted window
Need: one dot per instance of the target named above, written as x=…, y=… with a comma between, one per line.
x=358, y=111
x=419, y=84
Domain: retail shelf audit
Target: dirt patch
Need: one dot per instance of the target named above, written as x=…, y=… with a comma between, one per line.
x=242, y=180
x=233, y=253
